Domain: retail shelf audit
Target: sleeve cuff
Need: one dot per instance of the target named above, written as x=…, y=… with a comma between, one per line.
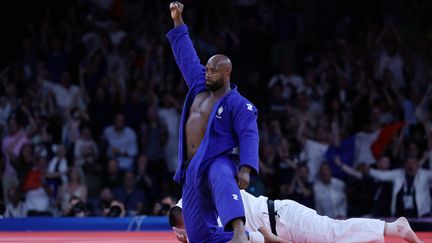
x=177, y=30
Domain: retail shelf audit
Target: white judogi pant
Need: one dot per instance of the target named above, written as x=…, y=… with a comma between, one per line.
x=298, y=223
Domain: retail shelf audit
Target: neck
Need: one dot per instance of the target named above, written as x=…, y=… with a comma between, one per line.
x=221, y=92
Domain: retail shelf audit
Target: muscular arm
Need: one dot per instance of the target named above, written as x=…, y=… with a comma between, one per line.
x=183, y=49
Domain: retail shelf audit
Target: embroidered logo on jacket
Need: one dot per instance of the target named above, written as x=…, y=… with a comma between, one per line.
x=219, y=112
x=235, y=197
x=249, y=107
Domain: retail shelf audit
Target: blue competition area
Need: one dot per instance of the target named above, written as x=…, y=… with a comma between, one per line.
x=142, y=223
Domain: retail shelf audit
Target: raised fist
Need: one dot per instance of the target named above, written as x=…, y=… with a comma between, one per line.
x=176, y=10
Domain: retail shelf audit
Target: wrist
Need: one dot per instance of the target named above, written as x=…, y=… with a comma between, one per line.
x=245, y=168
x=178, y=21
x=238, y=226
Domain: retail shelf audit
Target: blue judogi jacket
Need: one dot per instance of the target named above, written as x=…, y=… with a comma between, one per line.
x=232, y=122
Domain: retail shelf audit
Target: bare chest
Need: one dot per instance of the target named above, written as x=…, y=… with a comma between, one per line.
x=202, y=105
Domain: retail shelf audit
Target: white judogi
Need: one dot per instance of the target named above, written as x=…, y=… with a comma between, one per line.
x=297, y=223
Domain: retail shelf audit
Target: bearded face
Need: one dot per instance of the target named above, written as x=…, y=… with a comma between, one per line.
x=214, y=85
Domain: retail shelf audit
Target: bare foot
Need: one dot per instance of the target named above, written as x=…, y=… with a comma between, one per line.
x=405, y=231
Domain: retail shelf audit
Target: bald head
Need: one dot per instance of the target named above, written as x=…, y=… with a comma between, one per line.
x=220, y=61
x=218, y=72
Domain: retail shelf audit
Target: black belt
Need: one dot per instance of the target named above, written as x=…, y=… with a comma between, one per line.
x=272, y=215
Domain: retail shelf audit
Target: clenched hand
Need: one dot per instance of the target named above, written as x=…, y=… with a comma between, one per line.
x=243, y=177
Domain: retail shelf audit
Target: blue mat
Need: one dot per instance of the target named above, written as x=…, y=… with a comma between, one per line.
x=141, y=223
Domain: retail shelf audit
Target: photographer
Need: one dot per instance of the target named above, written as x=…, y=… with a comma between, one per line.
x=164, y=205
x=77, y=208
x=115, y=209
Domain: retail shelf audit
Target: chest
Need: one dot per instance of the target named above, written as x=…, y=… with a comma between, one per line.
x=203, y=104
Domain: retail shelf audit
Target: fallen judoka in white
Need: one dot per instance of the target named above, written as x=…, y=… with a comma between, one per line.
x=297, y=223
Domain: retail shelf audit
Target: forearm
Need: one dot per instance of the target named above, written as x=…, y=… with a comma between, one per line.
x=350, y=171
x=238, y=227
x=383, y=175
x=178, y=22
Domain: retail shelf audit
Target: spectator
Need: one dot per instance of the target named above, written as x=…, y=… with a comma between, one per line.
x=330, y=199
x=382, y=190
x=71, y=127
x=57, y=169
x=130, y=195
x=169, y=115
x=37, y=191
x=411, y=195
x=113, y=177
x=145, y=181
x=25, y=162
x=16, y=208
x=391, y=59
x=122, y=143
x=75, y=187
x=66, y=94
x=153, y=140
x=313, y=149
x=291, y=82
x=300, y=189
x=11, y=148
x=85, y=148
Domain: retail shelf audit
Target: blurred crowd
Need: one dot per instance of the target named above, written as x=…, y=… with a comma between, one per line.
x=89, y=111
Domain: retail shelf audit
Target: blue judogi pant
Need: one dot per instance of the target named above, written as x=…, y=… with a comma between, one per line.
x=217, y=195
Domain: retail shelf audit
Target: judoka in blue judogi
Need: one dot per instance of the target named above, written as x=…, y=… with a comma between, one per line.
x=208, y=178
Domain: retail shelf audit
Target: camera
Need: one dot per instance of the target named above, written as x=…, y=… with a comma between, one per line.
x=77, y=209
x=114, y=211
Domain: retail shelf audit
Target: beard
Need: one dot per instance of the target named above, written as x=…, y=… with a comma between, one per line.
x=214, y=85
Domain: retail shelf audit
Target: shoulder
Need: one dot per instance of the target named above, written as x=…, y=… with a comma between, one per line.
x=238, y=103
